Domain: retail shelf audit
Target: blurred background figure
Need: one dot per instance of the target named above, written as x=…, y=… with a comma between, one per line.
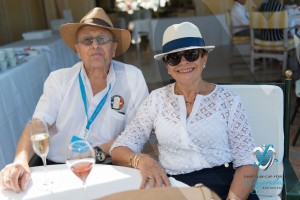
x=240, y=17
x=271, y=6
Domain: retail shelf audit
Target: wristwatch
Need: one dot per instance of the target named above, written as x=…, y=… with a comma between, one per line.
x=99, y=155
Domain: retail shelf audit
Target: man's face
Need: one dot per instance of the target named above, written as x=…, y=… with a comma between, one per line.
x=94, y=54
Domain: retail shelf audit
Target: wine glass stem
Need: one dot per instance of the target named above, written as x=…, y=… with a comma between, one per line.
x=84, y=185
x=45, y=170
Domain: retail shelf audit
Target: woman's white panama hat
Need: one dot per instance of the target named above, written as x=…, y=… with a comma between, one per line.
x=181, y=37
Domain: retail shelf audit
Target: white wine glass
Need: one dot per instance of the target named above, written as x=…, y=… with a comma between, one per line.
x=40, y=143
x=81, y=159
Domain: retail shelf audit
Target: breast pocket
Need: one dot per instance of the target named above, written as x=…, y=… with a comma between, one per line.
x=116, y=121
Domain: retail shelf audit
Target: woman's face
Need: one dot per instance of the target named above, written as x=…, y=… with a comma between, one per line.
x=187, y=71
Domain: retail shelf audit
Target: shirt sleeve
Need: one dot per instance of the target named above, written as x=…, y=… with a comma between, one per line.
x=137, y=133
x=240, y=136
x=50, y=101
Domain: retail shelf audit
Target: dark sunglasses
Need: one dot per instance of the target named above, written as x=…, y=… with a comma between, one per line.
x=191, y=55
x=101, y=40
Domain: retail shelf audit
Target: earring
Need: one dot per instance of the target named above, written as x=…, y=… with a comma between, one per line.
x=203, y=66
x=168, y=72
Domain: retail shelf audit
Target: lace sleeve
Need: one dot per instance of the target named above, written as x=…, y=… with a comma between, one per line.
x=240, y=136
x=137, y=133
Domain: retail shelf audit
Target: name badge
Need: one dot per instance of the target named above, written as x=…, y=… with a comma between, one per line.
x=75, y=138
x=117, y=102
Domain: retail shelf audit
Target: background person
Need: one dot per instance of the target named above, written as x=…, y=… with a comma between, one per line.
x=272, y=6
x=202, y=129
x=240, y=17
x=72, y=95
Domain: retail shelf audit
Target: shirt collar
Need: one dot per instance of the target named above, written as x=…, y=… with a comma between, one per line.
x=111, y=76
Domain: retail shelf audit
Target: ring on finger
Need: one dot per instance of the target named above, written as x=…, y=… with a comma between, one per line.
x=148, y=178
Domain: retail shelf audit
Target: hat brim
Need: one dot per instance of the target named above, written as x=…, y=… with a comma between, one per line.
x=161, y=55
x=69, y=31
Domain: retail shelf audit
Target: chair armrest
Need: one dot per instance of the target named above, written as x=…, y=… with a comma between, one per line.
x=291, y=190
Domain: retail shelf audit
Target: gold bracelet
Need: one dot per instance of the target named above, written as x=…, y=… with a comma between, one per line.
x=138, y=159
x=133, y=159
x=130, y=160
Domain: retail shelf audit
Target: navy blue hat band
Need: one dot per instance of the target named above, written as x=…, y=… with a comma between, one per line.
x=182, y=43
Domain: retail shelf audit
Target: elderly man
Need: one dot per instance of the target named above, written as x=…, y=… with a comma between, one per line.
x=93, y=100
x=239, y=17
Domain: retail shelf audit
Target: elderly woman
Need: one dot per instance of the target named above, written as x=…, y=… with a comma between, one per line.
x=202, y=129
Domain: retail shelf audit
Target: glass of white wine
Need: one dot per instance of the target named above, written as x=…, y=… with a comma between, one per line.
x=81, y=159
x=40, y=143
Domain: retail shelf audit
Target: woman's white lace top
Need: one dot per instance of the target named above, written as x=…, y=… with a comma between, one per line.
x=216, y=132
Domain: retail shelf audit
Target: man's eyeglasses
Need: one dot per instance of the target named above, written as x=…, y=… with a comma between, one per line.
x=101, y=40
x=191, y=55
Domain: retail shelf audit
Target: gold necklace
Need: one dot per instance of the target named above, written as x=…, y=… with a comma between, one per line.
x=178, y=92
x=190, y=102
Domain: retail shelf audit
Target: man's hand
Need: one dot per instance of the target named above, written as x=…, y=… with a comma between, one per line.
x=15, y=176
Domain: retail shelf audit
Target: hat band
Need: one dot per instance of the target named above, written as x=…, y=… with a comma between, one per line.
x=97, y=21
x=182, y=43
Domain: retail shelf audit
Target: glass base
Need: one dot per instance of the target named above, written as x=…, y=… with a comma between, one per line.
x=45, y=185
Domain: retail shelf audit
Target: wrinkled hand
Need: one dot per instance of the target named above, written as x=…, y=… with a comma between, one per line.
x=15, y=176
x=153, y=174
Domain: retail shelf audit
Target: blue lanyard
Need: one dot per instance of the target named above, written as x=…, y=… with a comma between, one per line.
x=98, y=108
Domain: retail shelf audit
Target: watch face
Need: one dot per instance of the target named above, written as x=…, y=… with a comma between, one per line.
x=100, y=155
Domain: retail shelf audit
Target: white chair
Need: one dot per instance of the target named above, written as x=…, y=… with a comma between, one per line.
x=266, y=120
x=140, y=27
x=67, y=18
x=67, y=14
x=56, y=23
x=268, y=108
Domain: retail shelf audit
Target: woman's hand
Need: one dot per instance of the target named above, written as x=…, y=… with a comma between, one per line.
x=243, y=182
x=153, y=174
x=15, y=176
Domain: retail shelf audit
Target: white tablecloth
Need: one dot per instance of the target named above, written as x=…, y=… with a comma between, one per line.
x=103, y=180
x=20, y=89
x=58, y=54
